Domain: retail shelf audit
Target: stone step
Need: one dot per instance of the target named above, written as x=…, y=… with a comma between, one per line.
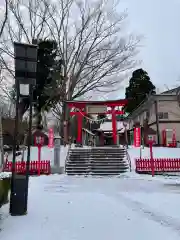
x=97, y=163
x=106, y=162
x=76, y=167
x=106, y=151
x=80, y=170
x=106, y=174
x=96, y=159
x=98, y=156
x=97, y=152
x=108, y=170
x=101, y=156
x=110, y=166
x=76, y=174
x=94, y=174
x=95, y=169
x=97, y=166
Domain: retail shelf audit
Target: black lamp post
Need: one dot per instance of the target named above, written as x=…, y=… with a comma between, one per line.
x=25, y=79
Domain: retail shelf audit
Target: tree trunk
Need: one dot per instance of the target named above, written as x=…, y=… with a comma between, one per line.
x=37, y=118
x=65, y=118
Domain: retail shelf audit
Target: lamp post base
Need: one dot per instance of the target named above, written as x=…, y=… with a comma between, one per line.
x=18, y=197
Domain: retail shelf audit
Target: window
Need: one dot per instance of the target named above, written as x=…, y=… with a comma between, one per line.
x=163, y=115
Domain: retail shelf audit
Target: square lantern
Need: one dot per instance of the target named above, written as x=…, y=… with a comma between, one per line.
x=25, y=66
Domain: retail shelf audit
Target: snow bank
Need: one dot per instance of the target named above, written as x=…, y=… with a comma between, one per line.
x=84, y=146
x=5, y=175
x=158, y=152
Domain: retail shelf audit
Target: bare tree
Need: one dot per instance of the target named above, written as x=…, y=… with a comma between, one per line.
x=5, y=18
x=26, y=21
x=95, y=49
x=96, y=52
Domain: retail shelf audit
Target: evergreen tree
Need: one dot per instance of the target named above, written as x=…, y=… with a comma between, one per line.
x=49, y=77
x=140, y=86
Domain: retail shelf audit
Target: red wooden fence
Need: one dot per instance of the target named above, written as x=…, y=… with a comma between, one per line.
x=160, y=165
x=20, y=167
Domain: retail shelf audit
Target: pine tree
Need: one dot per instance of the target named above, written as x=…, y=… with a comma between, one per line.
x=140, y=86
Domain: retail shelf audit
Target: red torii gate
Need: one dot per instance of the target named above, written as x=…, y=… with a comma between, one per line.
x=81, y=106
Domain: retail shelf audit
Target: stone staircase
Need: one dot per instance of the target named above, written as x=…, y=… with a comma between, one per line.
x=97, y=161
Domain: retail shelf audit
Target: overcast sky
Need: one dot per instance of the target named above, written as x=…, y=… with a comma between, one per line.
x=159, y=22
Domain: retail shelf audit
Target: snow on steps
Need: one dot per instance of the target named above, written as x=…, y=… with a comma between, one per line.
x=97, y=161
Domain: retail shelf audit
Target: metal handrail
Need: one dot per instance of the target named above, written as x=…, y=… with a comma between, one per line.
x=129, y=160
x=67, y=156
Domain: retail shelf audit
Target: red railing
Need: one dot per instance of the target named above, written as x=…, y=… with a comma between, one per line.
x=160, y=165
x=34, y=166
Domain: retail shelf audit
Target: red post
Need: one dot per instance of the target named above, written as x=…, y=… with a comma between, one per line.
x=39, y=140
x=114, y=127
x=51, y=138
x=137, y=136
x=39, y=160
x=151, y=157
x=79, y=122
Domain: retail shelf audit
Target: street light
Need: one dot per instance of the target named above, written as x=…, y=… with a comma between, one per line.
x=25, y=78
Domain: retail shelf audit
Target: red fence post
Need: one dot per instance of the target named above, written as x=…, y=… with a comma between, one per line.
x=39, y=160
x=151, y=157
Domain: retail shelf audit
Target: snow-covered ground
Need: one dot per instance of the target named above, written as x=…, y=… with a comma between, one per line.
x=131, y=206
x=77, y=208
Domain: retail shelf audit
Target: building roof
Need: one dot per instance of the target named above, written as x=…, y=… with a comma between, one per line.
x=105, y=102
x=171, y=91
x=144, y=105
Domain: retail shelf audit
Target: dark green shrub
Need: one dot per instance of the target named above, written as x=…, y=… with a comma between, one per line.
x=5, y=184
